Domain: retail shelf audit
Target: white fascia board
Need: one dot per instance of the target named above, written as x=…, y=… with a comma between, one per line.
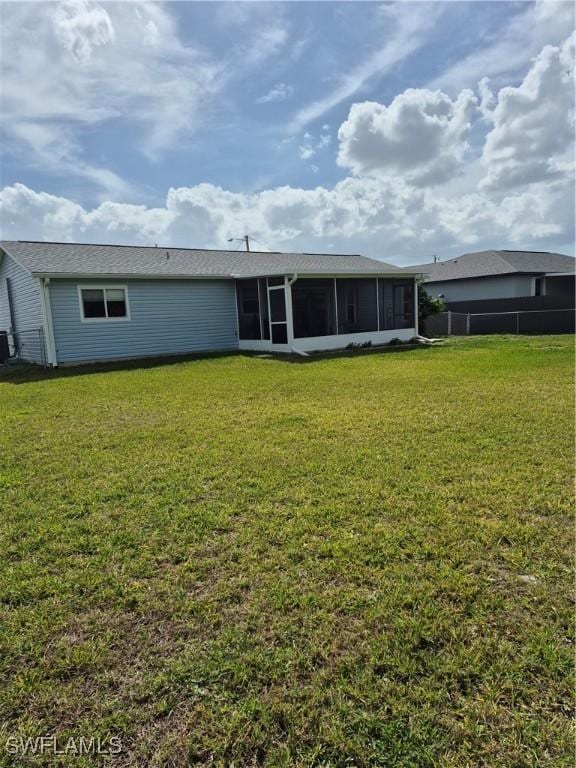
x=153, y=276
x=556, y=274
x=328, y=275
x=95, y=276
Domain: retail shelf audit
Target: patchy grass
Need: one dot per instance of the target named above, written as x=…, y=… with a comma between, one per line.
x=355, y=561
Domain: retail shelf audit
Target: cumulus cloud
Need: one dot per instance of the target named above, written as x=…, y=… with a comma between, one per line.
x=422, y=135
x=533, y=124
x=279, y=92
x=405, y=199
x=384, y=218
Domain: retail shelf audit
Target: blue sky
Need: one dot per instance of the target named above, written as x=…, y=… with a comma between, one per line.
x=394, y=129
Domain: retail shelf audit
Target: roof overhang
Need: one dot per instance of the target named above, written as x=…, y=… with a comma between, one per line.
x=148, y=276
x=301, y=273
x=558, y=274
x=124, y=276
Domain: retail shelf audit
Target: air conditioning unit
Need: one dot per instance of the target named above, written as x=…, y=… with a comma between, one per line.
x=4, y=347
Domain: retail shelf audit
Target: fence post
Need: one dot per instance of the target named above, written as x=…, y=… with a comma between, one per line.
x=468, y=324
x=449, y=323
x=518, y=323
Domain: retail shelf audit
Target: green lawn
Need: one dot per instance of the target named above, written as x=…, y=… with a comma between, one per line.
x=359, y=561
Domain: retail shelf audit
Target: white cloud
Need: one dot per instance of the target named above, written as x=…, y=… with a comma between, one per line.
x=422, y=135
x=311, y=145
x=70, y=66
x=56, y=150
x=408, y=29
x=80, y=26
x=384, y=218
x=280, y=92
x=533, y=134
x=517, y=42
x=518, y=193
x=79, y=64
x=306, y=151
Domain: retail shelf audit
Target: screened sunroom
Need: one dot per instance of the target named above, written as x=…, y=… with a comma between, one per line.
x=292, y=313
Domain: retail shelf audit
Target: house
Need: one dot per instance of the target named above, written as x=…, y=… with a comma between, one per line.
x=73, y=303
x=489, y=275
x=537, y=287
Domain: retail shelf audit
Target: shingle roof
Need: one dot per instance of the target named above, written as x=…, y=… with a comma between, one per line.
x=138, y=261
x=490, y=263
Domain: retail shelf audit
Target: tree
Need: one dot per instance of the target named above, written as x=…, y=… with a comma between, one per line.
x=427, y=306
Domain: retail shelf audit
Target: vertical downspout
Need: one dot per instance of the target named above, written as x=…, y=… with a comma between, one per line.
x=48, y=325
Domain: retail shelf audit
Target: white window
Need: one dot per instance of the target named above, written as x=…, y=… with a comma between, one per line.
x=103, y=303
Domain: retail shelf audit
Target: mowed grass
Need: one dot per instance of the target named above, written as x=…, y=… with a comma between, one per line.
x=359, y=561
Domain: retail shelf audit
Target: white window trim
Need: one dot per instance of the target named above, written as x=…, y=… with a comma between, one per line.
x=101, y=287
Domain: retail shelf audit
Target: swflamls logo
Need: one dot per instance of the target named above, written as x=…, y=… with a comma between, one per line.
x=50, y=745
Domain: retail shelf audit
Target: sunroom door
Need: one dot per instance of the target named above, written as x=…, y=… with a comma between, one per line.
x=277, y=305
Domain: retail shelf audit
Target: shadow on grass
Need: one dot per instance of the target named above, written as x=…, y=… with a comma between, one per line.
x=24, y=373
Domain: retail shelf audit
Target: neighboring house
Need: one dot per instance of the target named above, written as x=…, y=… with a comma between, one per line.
x=489, y=275
x=492, y=286
x=72, y=303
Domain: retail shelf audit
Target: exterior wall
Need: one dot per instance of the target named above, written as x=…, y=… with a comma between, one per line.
x=167, y=317
x=26, y=307
x=560, y=286
x=504, y=287
x=320, y=343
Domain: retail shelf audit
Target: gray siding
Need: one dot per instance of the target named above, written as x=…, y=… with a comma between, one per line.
x=472, y=289
x=26, y=307
x=167, y=317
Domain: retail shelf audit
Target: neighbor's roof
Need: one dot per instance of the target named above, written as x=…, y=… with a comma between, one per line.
x=71, y=259
x=491, y=263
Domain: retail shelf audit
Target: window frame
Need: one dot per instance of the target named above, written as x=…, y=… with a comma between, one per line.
x=102, y=287
x=539, y=286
